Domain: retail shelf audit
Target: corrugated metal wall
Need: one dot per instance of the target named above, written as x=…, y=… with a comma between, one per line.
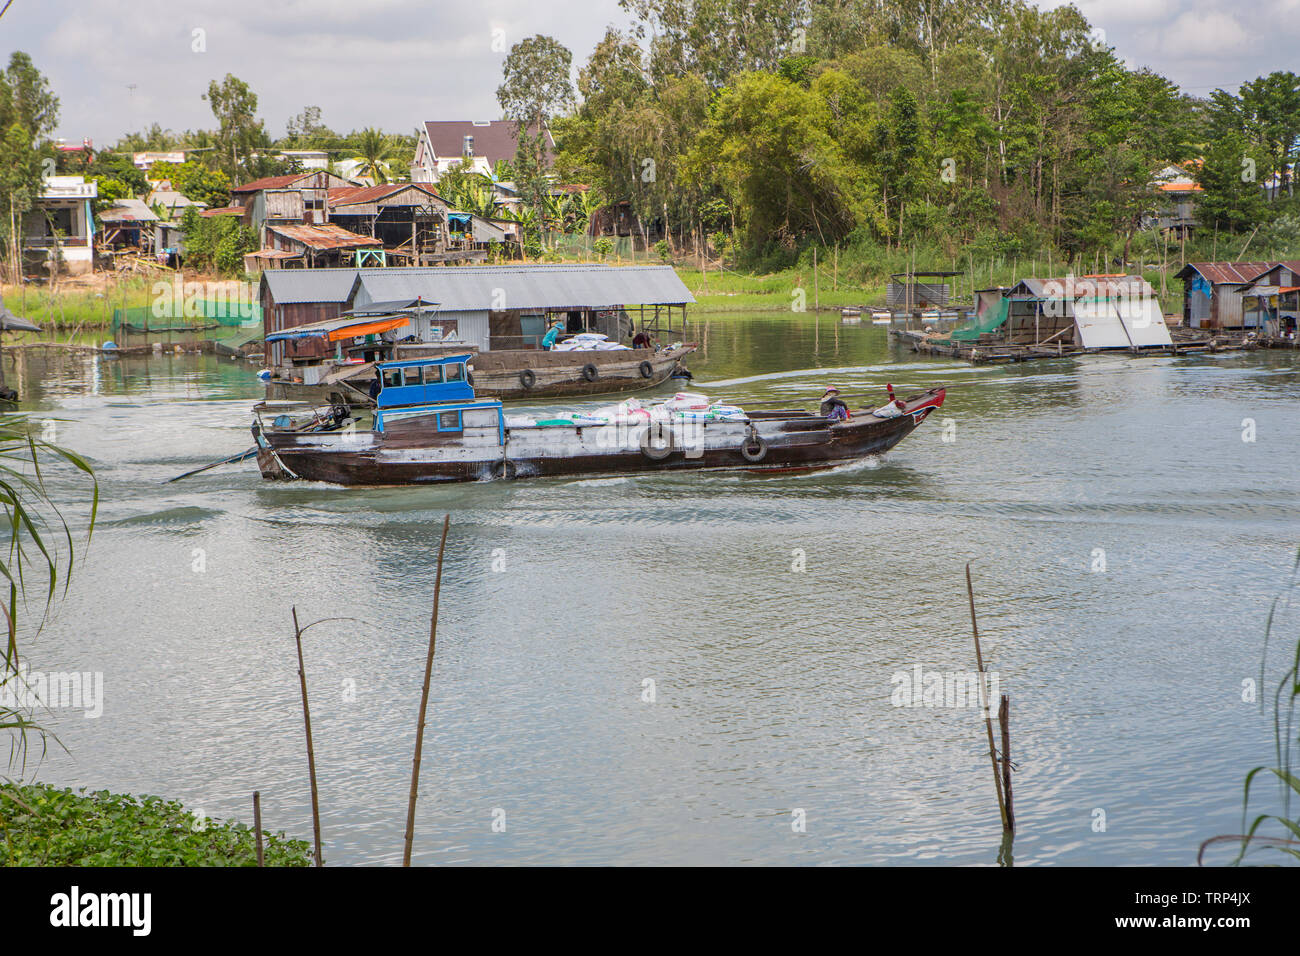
x=472, y=327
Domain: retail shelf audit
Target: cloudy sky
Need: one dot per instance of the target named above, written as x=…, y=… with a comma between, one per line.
x=119, y=65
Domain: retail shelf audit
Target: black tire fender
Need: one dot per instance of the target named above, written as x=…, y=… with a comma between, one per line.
x=505, y=470
x=527, y=378
x=658, y=441
x=590, y=373
x=753, y=448
x=647, y=370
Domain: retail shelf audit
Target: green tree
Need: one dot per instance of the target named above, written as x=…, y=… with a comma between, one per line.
x=535, y=87
x=536, y=82
x=374, y=151
x=195, y=181
x=1266, y=113
x=28, y=113
x=239, y=131
x=1233, y=200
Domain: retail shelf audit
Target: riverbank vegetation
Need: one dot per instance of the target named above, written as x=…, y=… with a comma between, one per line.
x=971, y=130
x=44, y=826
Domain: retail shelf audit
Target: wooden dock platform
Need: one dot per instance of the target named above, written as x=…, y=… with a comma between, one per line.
x=989, y=349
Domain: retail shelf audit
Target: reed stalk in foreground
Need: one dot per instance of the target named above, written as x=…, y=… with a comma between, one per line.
x=424, y=699
x=1285, y=699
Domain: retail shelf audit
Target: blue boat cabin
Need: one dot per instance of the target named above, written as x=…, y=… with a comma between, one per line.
x=424, y=381
x=432, y=388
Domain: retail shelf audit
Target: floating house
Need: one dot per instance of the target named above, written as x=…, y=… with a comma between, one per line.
x=1078, y=312
x=1214, y=293
x=1271, y=304
x=918, y=290
x=479, y=307
x=511, y=306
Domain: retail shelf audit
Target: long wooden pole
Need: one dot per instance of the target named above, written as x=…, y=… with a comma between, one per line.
x=424, y=700
x=984, y=702
x=311, y=753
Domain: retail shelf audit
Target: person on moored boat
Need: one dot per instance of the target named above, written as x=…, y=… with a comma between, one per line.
x=833, y=408
x=552, y=334
x=377, y=385
x=642, y=340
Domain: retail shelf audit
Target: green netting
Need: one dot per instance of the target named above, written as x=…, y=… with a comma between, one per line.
x=209, y=318
x=991, y=319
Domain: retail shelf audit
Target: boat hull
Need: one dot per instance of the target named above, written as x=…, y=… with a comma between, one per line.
x=773, y=445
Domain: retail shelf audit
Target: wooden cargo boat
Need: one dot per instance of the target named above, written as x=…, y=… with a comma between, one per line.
x=431, y=427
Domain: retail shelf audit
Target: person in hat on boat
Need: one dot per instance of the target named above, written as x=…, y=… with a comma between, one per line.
x=833, y=408
x=548, y=340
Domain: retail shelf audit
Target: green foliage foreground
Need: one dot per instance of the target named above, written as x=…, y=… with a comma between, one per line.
x=43, y=826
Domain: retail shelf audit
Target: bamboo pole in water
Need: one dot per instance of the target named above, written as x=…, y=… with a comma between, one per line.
x=424, y=700
x=257, y=825
x=984, y=703
x=311, y=753
x=1004, y=722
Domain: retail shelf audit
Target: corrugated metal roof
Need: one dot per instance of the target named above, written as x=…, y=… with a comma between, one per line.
x=324, y=236
x=474, y=288
x=352, y=195
x=1226, y=272
x=128, y=210
x=290, y=286
x=283, y=182
x=1084, y=286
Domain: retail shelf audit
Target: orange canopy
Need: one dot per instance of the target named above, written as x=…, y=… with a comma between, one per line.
x=367, y=328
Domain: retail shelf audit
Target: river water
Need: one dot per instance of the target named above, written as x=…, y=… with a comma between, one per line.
x=1126, y=543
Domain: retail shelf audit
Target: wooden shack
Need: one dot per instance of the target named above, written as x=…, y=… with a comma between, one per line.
x=1214, y=292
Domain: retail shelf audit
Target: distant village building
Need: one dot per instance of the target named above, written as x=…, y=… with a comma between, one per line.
x=445, y=144
x=409, y=219
x=290, y=215
x=317, y=219
x=128, y=224
x=1174, y=208
x=61, y=226
x=172, y=202
x=295, y=198
x=146, y=160
x=307, y=158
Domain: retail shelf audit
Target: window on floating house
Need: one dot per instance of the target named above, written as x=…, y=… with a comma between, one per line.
x=411, y=376
x=432, y=374
x=393, y=378
x=455, y=372
x=449, y=422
